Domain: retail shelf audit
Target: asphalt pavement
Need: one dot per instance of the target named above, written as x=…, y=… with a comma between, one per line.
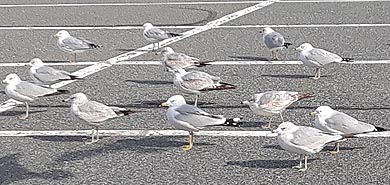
x=360, y=90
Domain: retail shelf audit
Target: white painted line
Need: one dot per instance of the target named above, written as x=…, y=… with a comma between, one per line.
x=224, y=62
x=191, y=27
x=127, y=4
x=331, y=1
x=136, y=133
x=148, y=133
x=9, y=104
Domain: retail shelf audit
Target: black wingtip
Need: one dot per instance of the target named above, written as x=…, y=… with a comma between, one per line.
x=286, y=44
x=233, y=122
x=380, y=129
x=175, y=34
x=347, y=59
x=222, y=86
x=127, y=112
x=72, y=77
x=95, y=46
x=204, y=63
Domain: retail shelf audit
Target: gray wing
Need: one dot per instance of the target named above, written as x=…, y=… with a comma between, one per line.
x=322, y=56
x=156, y=33
x=274, y=40
x=74, y=43
x=347, y=124
x=49, y=74
x=197, y=117
x=33, y=90
x=276, y=100
x=180, y=60
x=312, y=137
x=95, y=112
x=196, y=81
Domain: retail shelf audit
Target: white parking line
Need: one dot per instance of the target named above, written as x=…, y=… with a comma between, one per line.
x=9, y=104
x=148, y=133
x=189, y=27
x=225, y=62
x=331, y=1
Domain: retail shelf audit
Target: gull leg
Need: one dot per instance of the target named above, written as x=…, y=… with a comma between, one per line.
x=190, y=143
x=26, y=115
x=97, y=133
x=269, y=124
x=300, y=162
x=196, y=100
x=305, y=168
x=281, y=116
x=276, y=55
x=336, y=148
x=317, y=74
x=158, y=45
x=93, y=137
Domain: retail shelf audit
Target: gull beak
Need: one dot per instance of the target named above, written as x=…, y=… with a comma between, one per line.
x=313, y=113
x=66, y=100
x=164, y=104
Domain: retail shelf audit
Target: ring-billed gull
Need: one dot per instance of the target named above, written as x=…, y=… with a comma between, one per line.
x=194, y=82
x=172, y=60
x=274, y=41
x=155, y=35
x=93, y=113
x=47, y=75
x=273, y=102
x=317, y=58
x=73, y=45
x=303, y=140
x=332, y=121
x=27, y=92
x=192, y=119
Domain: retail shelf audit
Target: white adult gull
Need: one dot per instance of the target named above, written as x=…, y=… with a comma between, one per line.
x=93, y=113
x=274, y=102
x=74, y=45
x=274, y=41
x=27, y=92
x=196, y=82
x=192, y=119
x=172, y=60
x=155, y=35
x=47, y=75
x=332, y=121
x=317, y=58
x=303, y=140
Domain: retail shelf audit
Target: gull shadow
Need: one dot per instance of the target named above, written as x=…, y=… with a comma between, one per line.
x=62, y=138
x=130, y=49
x=249, y=124
x=145, y=145
x=151, y=82
x=11, y=171
x=386, y=107
x=19, y=113
x=331, y=148
x=267, y=164
x=290, y=76
x=255, y=58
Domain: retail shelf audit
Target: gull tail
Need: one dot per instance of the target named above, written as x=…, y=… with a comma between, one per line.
x=204, y=63
x=305, y=95
x=221, y=86
x=174, y=34
x=94, y=46
x=347, y=59
x=122, y=111
x=58, y=92
x=380, y=129
x=74, y=77
x=233, y=122
x=286, y=44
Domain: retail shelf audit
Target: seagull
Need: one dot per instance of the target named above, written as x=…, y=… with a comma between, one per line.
x=73, y=45
x=191, y=118
x=317, y=58
x=47, y=75
x=93, y=113
x=194, y=82
x=274, y=102
x=155, y=35
x=274, y=41
x=303, y=140
x=172, y=60
x=27, y=92
x=332, y=121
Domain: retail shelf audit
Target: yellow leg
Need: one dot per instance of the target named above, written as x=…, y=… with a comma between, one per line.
x=190, y=142
x=336, y=149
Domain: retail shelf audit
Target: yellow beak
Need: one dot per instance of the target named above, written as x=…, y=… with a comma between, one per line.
x=164, y=104
x=313, y=113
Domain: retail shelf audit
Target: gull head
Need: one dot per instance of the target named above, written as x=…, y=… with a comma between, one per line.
x=174, y=100
x=147, y=26
x=266, y=30
x=35, y=62
x=322, y=111
x=62, y=34
x=77, y=98
x=12, y=79
x=286, y=127
x=304, y=46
